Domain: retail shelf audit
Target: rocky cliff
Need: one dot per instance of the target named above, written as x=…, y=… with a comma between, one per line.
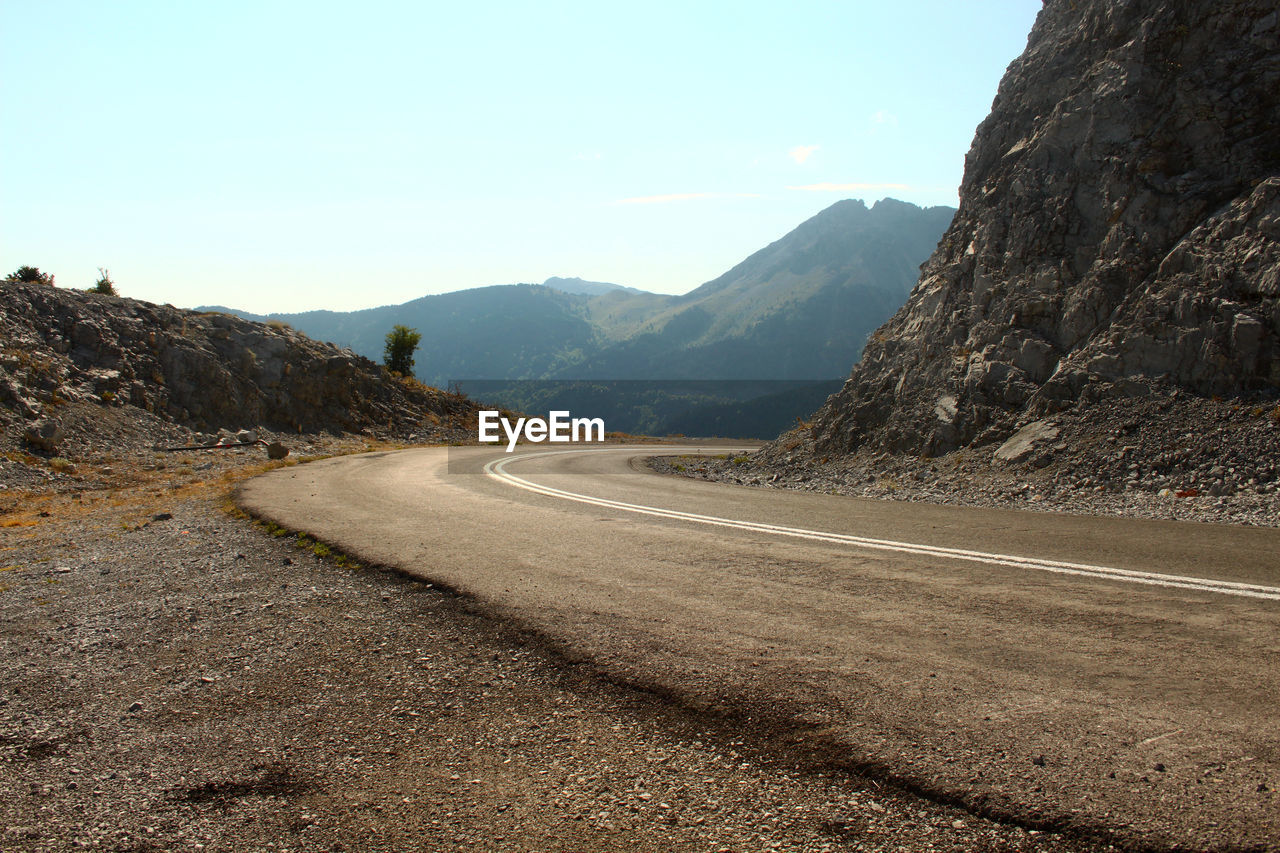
x=1118, y=236
x=65, y=350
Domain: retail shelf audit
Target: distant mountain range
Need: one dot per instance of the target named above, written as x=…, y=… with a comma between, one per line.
x=798, y=309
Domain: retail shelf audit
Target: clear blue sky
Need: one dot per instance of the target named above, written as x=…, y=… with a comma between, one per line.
x=289, y=156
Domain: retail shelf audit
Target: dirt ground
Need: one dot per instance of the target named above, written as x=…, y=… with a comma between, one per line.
x=177, y=676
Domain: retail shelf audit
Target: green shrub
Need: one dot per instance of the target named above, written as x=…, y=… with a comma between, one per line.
x=400, y=345
x=30, y=275
x=104, y=284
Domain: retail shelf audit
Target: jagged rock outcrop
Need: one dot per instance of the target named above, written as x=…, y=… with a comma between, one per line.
x=205, y=371
x=1118, y=235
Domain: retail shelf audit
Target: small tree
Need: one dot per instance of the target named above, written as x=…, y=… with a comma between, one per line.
x=104, y=284
x=30, y=275
x=398, y=354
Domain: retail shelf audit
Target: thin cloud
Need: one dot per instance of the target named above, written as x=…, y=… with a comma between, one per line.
x=673, y=197
x=846, y=188
x=884, y=117
x=802, y=152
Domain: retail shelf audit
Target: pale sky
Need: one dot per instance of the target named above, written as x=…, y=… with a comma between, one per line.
x=286, y=156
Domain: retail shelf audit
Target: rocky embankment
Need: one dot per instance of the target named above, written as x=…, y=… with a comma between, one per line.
x=90, y=377
x=1175, y=456
x=1115, y=256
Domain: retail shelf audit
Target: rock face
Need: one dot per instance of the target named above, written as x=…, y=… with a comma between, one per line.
x=1118, y=235
x=205, y=371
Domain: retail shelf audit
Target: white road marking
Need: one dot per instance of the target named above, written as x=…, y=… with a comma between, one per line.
x=497, y=469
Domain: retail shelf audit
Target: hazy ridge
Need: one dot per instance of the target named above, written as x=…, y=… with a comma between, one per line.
x=799, y=308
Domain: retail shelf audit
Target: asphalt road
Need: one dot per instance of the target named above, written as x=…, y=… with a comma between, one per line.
x=1116, y=676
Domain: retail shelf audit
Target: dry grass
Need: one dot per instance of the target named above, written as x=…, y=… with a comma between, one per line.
x=135, y=493
x=135, y=501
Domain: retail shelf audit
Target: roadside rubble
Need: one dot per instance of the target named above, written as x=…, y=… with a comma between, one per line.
x=228, y=439
x=1184, y=459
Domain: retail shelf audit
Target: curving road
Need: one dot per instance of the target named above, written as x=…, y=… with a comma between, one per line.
x=1113, y=675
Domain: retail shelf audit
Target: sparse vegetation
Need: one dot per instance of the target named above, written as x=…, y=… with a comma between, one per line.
x=400, y=346
x=104, y=284
x=316, y=547
x=30, y=275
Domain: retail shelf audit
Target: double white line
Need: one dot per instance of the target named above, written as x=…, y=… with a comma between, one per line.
x=497, y=470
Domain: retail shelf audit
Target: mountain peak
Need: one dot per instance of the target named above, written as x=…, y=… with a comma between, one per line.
x=822, y=241
x=586, y=288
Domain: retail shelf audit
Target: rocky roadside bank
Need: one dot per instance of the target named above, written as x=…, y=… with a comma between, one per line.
x=92, y=384
x=1172, y=457
x=177, y=677
x=203, y=370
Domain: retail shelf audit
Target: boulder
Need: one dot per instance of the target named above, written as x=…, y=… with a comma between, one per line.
x=1024, y=443
x=45, y=434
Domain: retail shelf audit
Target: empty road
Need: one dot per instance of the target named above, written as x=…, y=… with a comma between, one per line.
x=1112, y=675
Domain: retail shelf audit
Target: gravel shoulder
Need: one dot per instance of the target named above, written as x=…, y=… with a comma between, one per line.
x=1172, y=457
x=179, y=677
